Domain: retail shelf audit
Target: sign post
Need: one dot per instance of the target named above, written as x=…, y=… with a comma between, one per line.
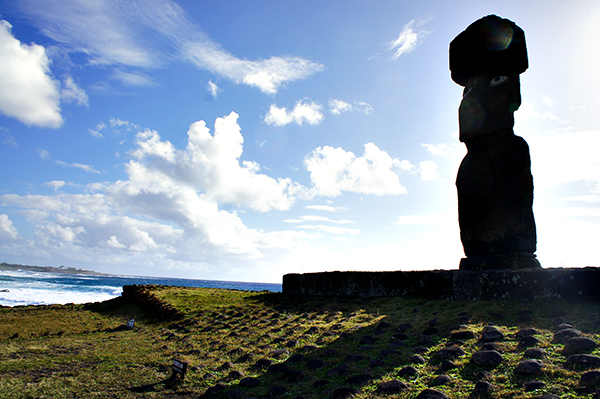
x=179, y=367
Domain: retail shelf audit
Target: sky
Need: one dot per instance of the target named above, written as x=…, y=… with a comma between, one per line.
x=238, y=140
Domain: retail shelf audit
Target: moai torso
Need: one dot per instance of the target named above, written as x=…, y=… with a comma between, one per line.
x=494, y=182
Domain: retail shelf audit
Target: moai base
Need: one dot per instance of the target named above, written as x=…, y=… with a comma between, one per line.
x=494, y=182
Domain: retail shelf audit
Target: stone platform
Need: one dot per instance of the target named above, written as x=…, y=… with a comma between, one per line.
x=524, y=284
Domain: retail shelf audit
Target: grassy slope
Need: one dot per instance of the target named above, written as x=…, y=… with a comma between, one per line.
x=82, y=351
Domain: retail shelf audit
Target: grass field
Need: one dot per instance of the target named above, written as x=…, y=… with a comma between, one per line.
x=265, y=345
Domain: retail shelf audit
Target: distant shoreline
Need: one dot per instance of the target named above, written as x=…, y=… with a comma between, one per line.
x=49, y=269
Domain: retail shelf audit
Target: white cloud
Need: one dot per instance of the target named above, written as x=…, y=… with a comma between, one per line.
x=428, y=170
x=7, y=138
x=304, y=111
x=333, y=170
x=7, y=230
x=315, y=218
x=43, y=153
x=212, y=88
x=27, y=90
x=327, y=208
x=527, y=110
x=438, y=149
x=87, y=168
x=169, y=207
x=150, y=34
x=71, y=92
x=337, y=106
x=133, y=79
x=331, y=229
x=56, y=184
x=410, y=37
x=96, y=131
x=211, y=164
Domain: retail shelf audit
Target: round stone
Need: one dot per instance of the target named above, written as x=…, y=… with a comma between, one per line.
x=486, y=358
x=530, y=367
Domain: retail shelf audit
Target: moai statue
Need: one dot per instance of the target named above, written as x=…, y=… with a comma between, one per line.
x=494, y=182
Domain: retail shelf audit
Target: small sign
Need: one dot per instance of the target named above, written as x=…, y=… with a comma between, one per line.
x=180, y=367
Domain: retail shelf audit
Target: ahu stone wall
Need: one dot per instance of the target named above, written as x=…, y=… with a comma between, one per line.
x=524, y=284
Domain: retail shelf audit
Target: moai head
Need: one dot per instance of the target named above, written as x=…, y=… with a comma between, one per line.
x=487, y=59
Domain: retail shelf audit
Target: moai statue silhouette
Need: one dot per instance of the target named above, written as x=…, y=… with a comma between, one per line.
x=494, y=181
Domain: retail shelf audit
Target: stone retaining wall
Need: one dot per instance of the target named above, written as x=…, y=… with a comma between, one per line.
x=526, y=284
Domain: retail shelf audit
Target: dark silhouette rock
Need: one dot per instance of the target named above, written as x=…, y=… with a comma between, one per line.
x=491, y=334
x=535, y=353
x=408, y=371
x=235, y=375
x=578, y=345
x=482, y=388
x=416, y=359
x=447, y=365
x=533, y=385
x=583, y=361
x=462, y=334
x=526, y=332
x=486, y=358
x=440, y=380
x=494, y=182
x=565, y=334
x=590, y=379
x=450, y=352
x=391, y=387
x=528, y=342
x=249, y=382
x=529, y=367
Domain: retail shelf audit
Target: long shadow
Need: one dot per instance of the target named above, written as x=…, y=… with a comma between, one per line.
x=335, y=347
x=383, y=342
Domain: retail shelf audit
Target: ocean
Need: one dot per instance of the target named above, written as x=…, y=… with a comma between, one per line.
x=21, y=287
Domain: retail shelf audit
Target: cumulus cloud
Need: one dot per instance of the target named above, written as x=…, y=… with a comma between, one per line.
x=337, y=106
x=410, y=37
x=7, y=230
x=304, y=111
x=151, y=33
x=211, y=164
x=333, y=170
x=170, y=206
x=438, y=149
x=27, y=90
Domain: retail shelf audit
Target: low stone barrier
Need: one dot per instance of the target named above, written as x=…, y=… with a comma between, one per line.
x=524, y=284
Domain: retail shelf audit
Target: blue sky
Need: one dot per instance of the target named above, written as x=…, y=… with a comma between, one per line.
x=242, y=140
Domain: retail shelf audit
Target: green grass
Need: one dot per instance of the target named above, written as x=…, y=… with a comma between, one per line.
x=83, y=351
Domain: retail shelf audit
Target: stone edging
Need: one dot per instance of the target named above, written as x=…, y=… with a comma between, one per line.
x=525, y=284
